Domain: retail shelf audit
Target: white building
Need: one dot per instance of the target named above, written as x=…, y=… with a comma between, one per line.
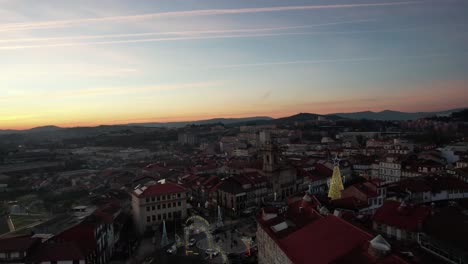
x=154, y=203
x=390, y=170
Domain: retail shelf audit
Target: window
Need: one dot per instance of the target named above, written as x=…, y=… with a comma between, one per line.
x=169, y=215
x=159, y=206
x=154, y=218
x=148, y=219
x=152, y=199
x=173, y=204
x=178, y=195
x=158, y=198
x=164, y=216
x=164, y=197
x=159, y=217
x=169, y=205
x=152, y=208
x=164, y=206
x=179, y=203
x=147, y=208
x=147, y=199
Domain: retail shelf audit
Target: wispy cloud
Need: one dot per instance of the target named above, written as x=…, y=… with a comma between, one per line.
x=204, y=12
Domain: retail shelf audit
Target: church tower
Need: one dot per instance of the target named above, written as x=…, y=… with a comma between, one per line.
x=270, y=152
x=336, y=182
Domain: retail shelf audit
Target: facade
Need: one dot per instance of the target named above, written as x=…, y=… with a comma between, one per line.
x=154, y=203
x=390, y=170
x=367, y=196
x=17, y=249
x=31, y=250
x=187, y=139
x=429, y=189
x=241, y=192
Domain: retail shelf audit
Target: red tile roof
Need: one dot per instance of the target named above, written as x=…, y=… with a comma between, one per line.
x=360, y=256
x=351, y=203
x=407, y=217
x=82, y=235
x=158, y=189
x=323, y=241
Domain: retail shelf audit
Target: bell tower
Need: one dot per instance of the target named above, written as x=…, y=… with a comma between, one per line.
x=269, y=151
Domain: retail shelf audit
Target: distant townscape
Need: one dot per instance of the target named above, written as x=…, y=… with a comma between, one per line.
x=386, y=187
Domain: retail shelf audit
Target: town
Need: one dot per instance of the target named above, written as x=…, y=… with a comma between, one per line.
x=301, y=189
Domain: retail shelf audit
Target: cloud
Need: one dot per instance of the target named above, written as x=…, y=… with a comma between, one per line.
x=175, y=14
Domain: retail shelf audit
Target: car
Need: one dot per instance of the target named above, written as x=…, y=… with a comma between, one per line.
x=172, y=249
x=192, y=242
x=212, y=252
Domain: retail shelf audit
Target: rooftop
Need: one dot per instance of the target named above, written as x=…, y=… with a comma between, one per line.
x=407, y=217
x=158, y=189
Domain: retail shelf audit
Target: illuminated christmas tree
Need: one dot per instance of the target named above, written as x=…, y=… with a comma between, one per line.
x=336, y=182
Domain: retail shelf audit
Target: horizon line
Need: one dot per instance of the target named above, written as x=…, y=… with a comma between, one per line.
x=211, y=118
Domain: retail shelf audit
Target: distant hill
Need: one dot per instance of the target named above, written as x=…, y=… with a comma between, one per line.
x=225, y=121
x=32, y=130
x=306, y=117
x=257, y=120
x=394, y=115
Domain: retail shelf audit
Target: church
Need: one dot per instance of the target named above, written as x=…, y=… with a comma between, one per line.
x=283, y=178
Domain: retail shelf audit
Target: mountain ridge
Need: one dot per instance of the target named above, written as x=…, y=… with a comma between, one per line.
x=390, y=115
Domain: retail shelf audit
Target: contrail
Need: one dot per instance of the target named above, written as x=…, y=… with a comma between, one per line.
x=191, y=37
x=188, y=33
x=72, y=44
x=203, y=12
x=351, y=60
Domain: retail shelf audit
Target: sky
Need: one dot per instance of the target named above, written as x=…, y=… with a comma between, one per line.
x=83, y=63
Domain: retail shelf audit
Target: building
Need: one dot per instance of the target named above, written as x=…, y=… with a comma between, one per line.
x=429, y=189
x=57, y=253
x=365, y=197
x=17, y=249
x=399, y=220
x=390, y=169
x=282, y=178
x=94, y=237
x=299, y=234
x=32, y=250
x=445, y=235
x=187, y=139
x=241, y=192
x=154, y=203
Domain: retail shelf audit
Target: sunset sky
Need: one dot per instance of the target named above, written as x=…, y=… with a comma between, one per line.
x=78, y=63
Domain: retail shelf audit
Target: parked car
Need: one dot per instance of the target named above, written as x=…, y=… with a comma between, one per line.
x=172, y=249
x=212, y=252
x=192, y=242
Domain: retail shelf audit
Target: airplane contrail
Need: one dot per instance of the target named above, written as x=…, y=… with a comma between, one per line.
x=187, y=33
x=350, y=60
x=203, y=12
